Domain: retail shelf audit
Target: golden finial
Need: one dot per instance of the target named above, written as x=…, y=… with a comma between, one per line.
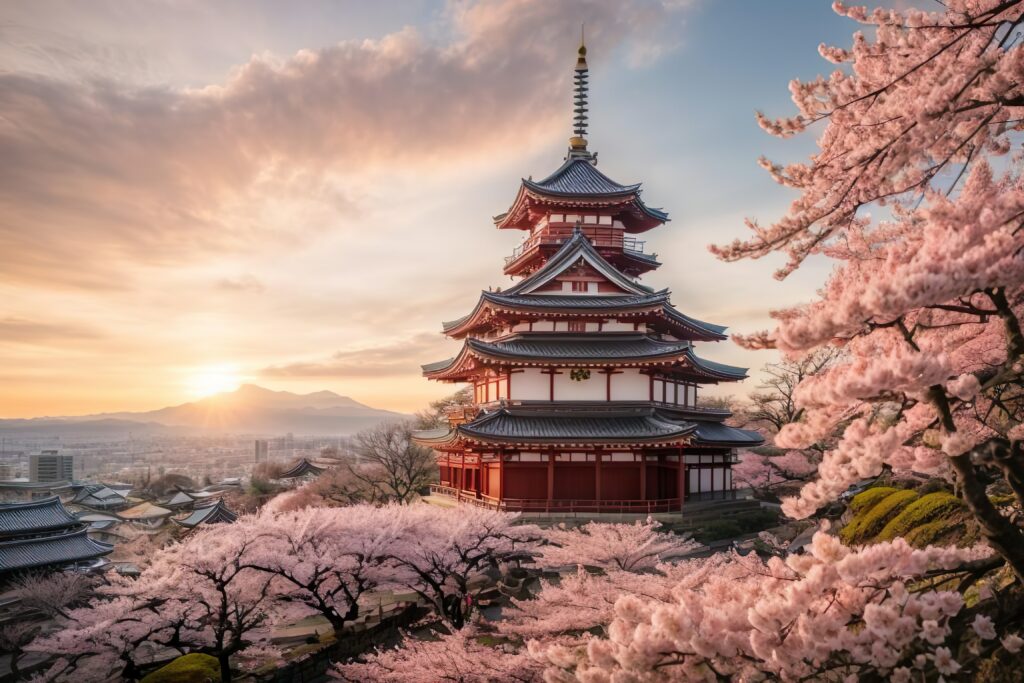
x=581, y=62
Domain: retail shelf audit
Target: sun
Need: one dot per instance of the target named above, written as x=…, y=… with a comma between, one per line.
x=214, y=379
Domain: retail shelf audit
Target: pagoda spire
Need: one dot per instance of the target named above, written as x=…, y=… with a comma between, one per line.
x=581, y=90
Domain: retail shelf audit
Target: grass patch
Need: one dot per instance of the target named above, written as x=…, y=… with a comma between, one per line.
x=939, y=506
x=191, y=668
x=869, y=522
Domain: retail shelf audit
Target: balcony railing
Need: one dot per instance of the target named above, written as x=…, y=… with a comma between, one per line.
x=599, y=237
x=559, y=506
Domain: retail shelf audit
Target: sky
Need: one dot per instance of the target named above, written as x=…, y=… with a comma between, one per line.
x=195, y=194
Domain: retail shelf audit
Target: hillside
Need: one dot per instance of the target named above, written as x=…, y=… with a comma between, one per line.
x=250, y=409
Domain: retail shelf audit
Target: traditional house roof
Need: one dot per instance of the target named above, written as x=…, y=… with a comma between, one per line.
x=99, y=496
x=578, y=183
x=300, y=469
x=214, y=513
x=37, y=517
x=718, y=434
x=179, y=499
x=613, y=349
x=93, y=517
x=144, y=511
x=58, y=550
x=539, y=305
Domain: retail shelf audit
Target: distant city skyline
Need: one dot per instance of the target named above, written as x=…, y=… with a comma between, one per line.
x=196, y=197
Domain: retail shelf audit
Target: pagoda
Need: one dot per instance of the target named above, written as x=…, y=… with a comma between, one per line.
x=585, y=381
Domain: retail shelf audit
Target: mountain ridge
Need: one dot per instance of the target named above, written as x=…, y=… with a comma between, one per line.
x=249, y=409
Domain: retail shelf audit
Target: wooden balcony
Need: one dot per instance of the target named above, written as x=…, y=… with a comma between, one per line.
x=540, y=505
x=603, y=238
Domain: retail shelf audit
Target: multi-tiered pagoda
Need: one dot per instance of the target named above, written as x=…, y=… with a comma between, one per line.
x=585, y=380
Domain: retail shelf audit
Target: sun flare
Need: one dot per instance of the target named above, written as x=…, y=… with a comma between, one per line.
x=213, y=380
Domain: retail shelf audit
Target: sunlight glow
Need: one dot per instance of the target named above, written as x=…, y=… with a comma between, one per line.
x=214, y=379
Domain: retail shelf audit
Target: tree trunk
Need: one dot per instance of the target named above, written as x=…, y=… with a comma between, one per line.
x=225, y=667
x=1005, y=537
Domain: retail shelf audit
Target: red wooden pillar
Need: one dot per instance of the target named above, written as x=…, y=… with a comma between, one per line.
x=501, y=478
x=462, y=474
x=597, y=478
x=681, y=479
x=643, y=476
x=551, y=478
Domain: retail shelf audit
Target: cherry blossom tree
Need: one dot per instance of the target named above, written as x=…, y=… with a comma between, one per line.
x=763, y=472
x=629, y=547
x=918, y=124
x=466, y=656
x=324, y=558
x=200, y=595
x=437, y=552
x=835, y=612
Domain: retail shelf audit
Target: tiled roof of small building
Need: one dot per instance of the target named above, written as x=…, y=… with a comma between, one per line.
x=302, y=467
x=50, y=551
x=216, y=513
x=35, y=517
x=716, y=433
x=145, y=511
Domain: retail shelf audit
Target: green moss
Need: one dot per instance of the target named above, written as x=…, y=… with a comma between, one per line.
x=939, y=506
x=867, y=524
x=932, y=532
x=867, y=499
x=1002, y=501
x=192, y=668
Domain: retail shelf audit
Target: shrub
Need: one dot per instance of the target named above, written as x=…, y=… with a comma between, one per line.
x=867, y=499
x=938, y=506
x=868, y=523
x=191, y=668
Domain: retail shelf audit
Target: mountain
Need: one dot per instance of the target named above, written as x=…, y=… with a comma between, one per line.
x=250, y=409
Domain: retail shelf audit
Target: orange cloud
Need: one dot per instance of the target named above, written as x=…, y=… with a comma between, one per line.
x=100, y=175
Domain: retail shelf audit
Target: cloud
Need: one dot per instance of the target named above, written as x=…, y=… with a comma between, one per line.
x=22, y=331
x=148, y=175
x=243, y=283
x=400, y=358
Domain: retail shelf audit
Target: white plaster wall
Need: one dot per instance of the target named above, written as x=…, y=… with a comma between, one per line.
x=593, y=389
x=616, y=326
x=630, y=386
x=530, y=385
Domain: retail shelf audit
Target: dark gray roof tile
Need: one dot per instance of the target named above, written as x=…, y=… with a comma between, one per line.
x=38, y=516
x=50, y=551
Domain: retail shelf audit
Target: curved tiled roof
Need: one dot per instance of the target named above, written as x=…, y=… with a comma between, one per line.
x=301, y=468
x=217, y=513
x=588, y=349
x=716, y=433
x=576, y=247
x=50, y=550
x=579, y=176
x=703, y=331
x=580, y=348
x=643, y=425
x=38, y=516
x=590, y=425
